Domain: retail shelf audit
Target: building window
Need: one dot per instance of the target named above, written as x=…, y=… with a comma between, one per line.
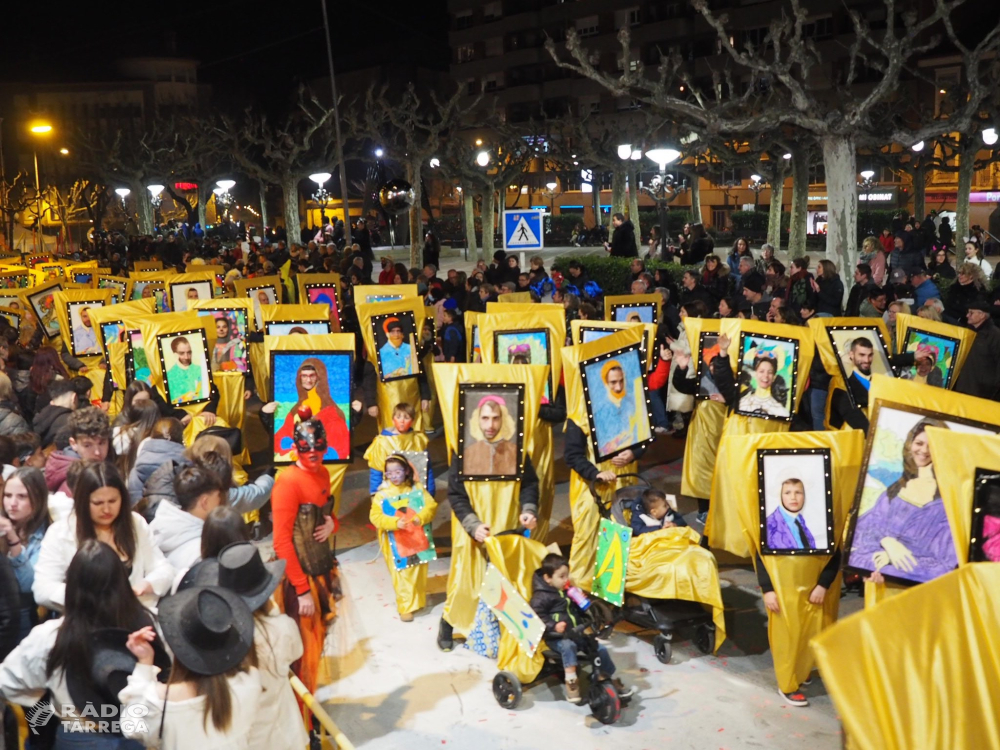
x=756, y=38
x=590, y=105
x=588, y=26
x=463, y=19
x=720, y=218
x=494, y=47
x=628, y=17
x=817, y=175
x=494, y=81
x=471, y=87
x=819, y=28
x=466, y=53
x=492, y=11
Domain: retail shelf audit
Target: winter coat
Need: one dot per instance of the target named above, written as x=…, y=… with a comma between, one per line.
x=11, y=421
x=243, y=499
x=277, y=724
x=639, y=525
x=623, y=241
x=552, y=607
x=56, y=468
x=10, y=609
x=980, y=375
x=924, y=292
x=800, y=291
x=956, y=302
x=151, y=455
x=831, y=296
x=699, y=249
x=178, y=535
x=50, y=422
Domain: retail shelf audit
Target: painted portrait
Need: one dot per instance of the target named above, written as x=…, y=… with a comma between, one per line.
x=308, y=327
x=10, y=301
x=984, y=543
x=312, y=385
x=413, y=544
x=146, y=289
x=938, y=367
x=767, y=376
x=861, y=353
x=708, y=350
x=262, y=295
x=136, y=360
x=524, y=348
x=619, y=408
x=899, y=525
x=183, y=295
x=396, y=345
x=796, y=502
x=229, y=352
x=185, y=363
x=112, y=332
x=44, y=306
x=372, y=298
x=588, y=334
x=324, y=294
x=83, y=278
x=52, y=271
x=83, y=335
x=117, y=287
x=490, y=431
x=637, y=312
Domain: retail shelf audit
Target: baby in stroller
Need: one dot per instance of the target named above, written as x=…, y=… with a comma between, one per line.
x=562, y=616
x=652, y=512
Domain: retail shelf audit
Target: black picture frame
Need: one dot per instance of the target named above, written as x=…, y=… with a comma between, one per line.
x=633, y=306
x=411, y=338
x=701, y=369
x=877, y=331
x=184, y=286
x=70, y=306
x=547, y=333
x=197, y=334
x=269, y=323
x=324, y=285
x=799, y=454
x=468, y=392
x=609, y=331
x=35, y=298
x=591, y=418
x=985, y=503
x=950, y=376
x=794, y=375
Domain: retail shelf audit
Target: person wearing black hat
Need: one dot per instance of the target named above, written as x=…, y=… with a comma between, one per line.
x=67, y=656
x=753, y=292
x=210, y=699
x=980, y=375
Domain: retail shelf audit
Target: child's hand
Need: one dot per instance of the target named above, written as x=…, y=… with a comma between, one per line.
x=607, y=476
x=771, y=602
x=528, y=521
x=482, y=532
x=139, y=644
x=560, y=628
x=669, y=524
x=401, y=523
x=817, y=596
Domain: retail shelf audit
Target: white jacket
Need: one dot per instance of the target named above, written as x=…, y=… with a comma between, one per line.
x=59, y=546
x=23, y=678
x=278, y=724
x=184, y=725
x=178, y=535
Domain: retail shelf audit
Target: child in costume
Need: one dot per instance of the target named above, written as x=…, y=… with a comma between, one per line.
x=401, y=509
x=652, y=512
x=561, y=614
x=307, y=598
x=399, y=437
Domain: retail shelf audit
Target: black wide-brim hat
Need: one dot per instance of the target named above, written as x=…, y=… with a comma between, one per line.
x=111, y=664
x=209, y=629
x=241, y=569
x=202, y=573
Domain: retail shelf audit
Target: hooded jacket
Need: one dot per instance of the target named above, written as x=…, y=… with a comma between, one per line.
x=56, y=468
x=243, y=499
x=11, y=421
x=50, y=422
x=623, y=241
x=178, y=535
x=552, y=606
x=152, y=454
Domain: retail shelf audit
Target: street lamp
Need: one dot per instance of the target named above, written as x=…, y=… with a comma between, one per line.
x=866, y=184
x=550, y=190
x=122, y=194
x=379, y=153
x=321, y=195
x=435, y=163
x=38, y=129
x=625, y=151
x=756, y=185
x=155, y=197
x=483, y=159
x=663, y=188
x=917, y=147
x=990, y=136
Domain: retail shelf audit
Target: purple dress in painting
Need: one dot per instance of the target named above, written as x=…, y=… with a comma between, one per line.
x=924, y=531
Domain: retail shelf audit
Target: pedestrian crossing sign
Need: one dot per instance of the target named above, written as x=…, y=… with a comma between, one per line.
x=522, y=230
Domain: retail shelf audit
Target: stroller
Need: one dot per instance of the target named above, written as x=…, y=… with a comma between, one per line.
x=665, y=617
x=518, y=671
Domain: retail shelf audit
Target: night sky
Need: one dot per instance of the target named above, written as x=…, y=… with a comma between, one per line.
x=249, y=49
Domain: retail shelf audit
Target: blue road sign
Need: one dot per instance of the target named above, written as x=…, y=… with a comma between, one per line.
x=522, y=230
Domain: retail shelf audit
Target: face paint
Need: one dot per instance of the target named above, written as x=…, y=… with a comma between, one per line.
x=310, y=442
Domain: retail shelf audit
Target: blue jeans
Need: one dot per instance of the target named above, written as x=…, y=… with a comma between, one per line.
x=93, y=741
x=659, y=410
x=817, y=408
x=567, y=650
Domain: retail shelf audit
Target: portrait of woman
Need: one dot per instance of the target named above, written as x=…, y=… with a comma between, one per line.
x=229, y=353
x=310, y=391
x=758, y=396
x=767, y=376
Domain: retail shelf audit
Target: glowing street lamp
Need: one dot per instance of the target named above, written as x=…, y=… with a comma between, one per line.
x=435, y=163
x=38, y=129
x=154, y=195
x=917, y=147
x=483, y=159
x=625, y=151
x=321, y=195
x=786, y=157
x=379, y=153
x=756, y=185
x=662, y=157
x=990, y=136
x=226, y=185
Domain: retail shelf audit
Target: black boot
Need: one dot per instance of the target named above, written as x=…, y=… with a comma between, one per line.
x=445, y=638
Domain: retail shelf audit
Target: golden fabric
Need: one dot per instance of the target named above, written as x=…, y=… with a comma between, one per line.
x=61, y=300
x=246, y=287
x=932, y=398
x=963, y=454
x=515, y=298
x=202, y=273
x=629, y=299
x=294, y=313
x=331, y=280
x=384, y=446
x=410, y=584
x=701, y=447
x=405, y=291
x=517, y=559
x=794, y=577
x=828, y=355
x=922, y=670
x=228, y=303
x=153, y=326
x=496, y=503
x=876, y=593
x=232, y=406
x=118, y=313
x=572, y=356
x=395, y=391
x=125, y=285
x=964, y=335
x=578, y=326
x=671, y=564
x=471, y=323
x=543, y=459
x=116, y=355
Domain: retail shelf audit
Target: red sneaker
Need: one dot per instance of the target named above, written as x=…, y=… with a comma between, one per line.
x=795, y=698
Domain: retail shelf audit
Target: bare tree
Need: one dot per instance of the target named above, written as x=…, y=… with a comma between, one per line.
x=198, y=156
x=15, y=197
x=775, y=84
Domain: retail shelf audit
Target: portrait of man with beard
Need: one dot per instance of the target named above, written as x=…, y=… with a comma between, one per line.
x=490, y=449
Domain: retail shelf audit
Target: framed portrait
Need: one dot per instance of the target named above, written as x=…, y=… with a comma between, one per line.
x=939, y=368
x=12, y=301
x=82, y=334
x=857, y=348
x=396, y=345
x=530, y=347
x=185, y=365
x=984, y=543
x=43, y=305
x=14, y=280
x=112, y=332
x=634, y=312
x=323, y=294
x=413, y=544
x=52, y=271
x=136, y=359
x=898, y=522
x=146, y=289
x=191, y=291
x=229, y=352
x=767, y=376
x=708, y=350
x=266, y=294
x=318, y=384
x=796, y=502
x=286, y=327
x=370, y=298
x=490, y=431
x=33, y=261
x=590, y=334
x=118, y=286
x=617, y=400
x=82, y=278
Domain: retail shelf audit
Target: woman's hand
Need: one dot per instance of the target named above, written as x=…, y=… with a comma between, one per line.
x=481, y=533
x=139, y=643
x=322, y=533
x=665, y=353
x=373, y=412
x=771, y=602
x=607, y=476
x=270, y=407
x=899, y=555
x=624, y=458
x=307, y=607
x=877, y=576
x=817, y=595
x=143, y=589
x=357, y=406
x=528, y=520
x=723, y=344
x=682, y=359
x=208, y=418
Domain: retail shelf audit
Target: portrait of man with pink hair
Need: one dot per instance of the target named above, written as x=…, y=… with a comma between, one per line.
x=490, y=449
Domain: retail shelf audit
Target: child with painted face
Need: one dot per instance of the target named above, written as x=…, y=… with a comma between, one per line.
x=400, y=438
x=401, y=511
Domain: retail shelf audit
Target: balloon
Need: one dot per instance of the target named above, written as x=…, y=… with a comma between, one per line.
x=396, y=196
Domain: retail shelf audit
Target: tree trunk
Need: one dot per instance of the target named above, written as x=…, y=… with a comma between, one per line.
x=919, y=192
x=633, y=209
x=618, y=190
x=263, y=209
x=143, y=208
x=487, y=216
x=203, y=194
x=695, y=199
x=416, y=220
x=966, y=170
x=798, y=223
x=293, y=224
x=469, y=202
x=777, y=203
x=596, y=181
x=840, y=163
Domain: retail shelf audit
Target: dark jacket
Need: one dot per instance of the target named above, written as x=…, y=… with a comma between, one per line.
x=576, y=452
x=639, y=526
x=461, y=506
x=699, y=249
x=956, y=302
x=830, y=297
x=10, y=609
x=552, y=607
x=160, y=486
x=851, y=406
x=980, y=374
x=11, y=421
x=50, y=423
x=859, y=293
x=152, y=454
x=623, y=241
x=699, y=293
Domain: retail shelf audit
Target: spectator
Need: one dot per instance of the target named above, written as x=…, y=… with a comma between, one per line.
x=11, y=420
x=622, y=243
x=980, y=376
x=176, y=529
x=829, y=290
x=923, y=288
x=89, y=437
x=862, y=278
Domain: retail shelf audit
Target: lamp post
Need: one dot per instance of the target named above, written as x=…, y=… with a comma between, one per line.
x=663, y=188
x=222, y=195
x=321, y=196
x=550, y=190
x=38, y=129
x=756, y=185
x=123, y=193
x=866, y=184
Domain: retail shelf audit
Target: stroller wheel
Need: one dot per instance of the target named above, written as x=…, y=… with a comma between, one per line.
x=663, y=649
x=704, y=638
x=604, y=702
x=507, y=690
x=604, y=617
